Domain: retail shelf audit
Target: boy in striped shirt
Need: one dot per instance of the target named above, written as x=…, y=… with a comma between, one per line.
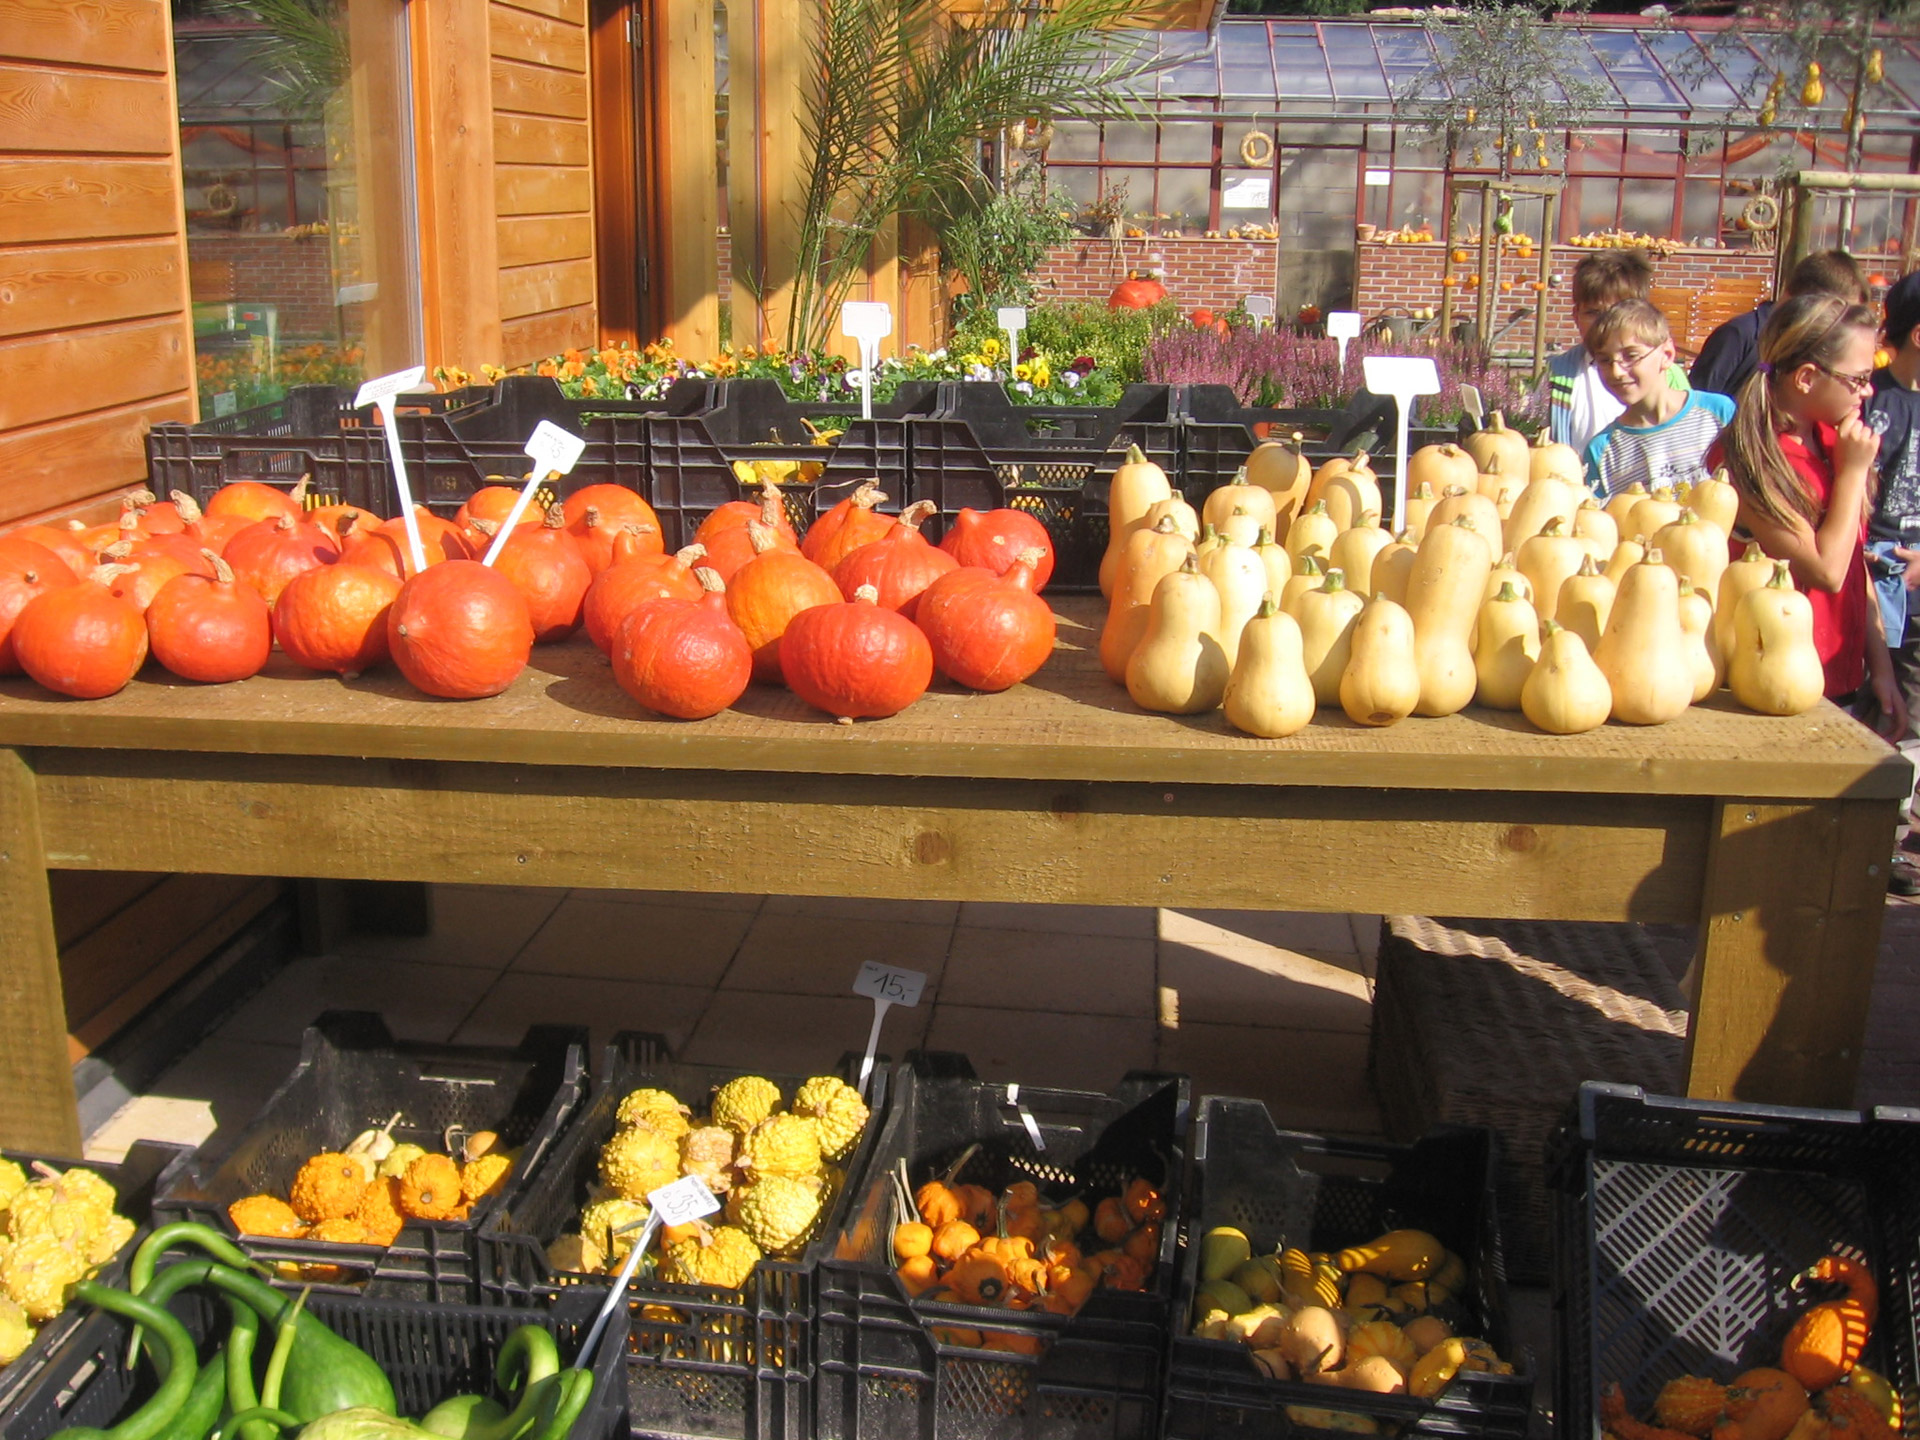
x=1662, y=435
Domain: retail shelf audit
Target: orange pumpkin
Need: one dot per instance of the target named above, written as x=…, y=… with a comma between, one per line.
x=768, y=510
x=900, y=565
x=484, y=512
x=855, y=660
x=937, y=1203
x=918, y=1274
x=269, y=554
x=1110, y=1221
x=79, y=640
x=768, y=591
x=684, y=658
x=1690, y=1403
x=213, y=631
x=67, y=544
x=27, y=569
x=911, y=1238
x=953, y=1240
x=977, y=1279
x=460, y=631
x=1762, y=1404
x=545, y=563
x=255, y=501
x=1828, y=1340
x=854, y=522
x=616, y=590
x=596, y=516
x=994, y=539
x=335, y=617
x=1142, y=1202
x=980, y=1206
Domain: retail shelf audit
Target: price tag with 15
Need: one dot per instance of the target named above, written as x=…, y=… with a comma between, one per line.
x=887, y=986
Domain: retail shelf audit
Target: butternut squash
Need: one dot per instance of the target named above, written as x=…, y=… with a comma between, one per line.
x=1703, y=652
x=1626, y=555
x=1326, y=617
x=1544, y=499
x=1642, y=651
x=1435, y=467
x=1481, y=515
x=1503, y=491
x=1620, y=505
x=1716, y=500
x=1597, y=528
x=1354, y=551
x=1313, y=532
x=1185, y=518
x=1240, y=580
x=1566, y=693
x=1752, y=570
x=1509, y=644
x=1775, y=667
x=1393, y=566
x=1150, y=554
x=1137, y=483
x=1420, y=503
x=1281, y=469
x=1179, y=667
x=1547, y=560
x=1338, y=465
x=1443, y=597
x=1548, y=456
x=1210, y=540
x=1498, y=449
x=1650, y=515
x=1243, y=527
x=1278, y=563
x=1242, y=494
x=1505, y=572
x=1381, y=684
x=1350, y=494
x=1307, y=574
x=1268, y=693
x=1586, y=599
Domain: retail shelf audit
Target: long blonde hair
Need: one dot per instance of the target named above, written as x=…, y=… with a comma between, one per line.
x=1806, y=330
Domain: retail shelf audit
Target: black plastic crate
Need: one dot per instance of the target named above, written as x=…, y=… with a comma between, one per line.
x=703, y=1361
x=881, y=1371
x=146, y=1167
x=1325, y=1194
x=1679, y=1226
x=692, y=448
x=353, y=1076
x=430, y=1353
x=979, y=450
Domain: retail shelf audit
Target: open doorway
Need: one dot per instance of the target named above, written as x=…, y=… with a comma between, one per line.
x=623, y=143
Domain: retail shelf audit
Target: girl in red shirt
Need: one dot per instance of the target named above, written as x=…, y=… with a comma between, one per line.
x=1802, y=459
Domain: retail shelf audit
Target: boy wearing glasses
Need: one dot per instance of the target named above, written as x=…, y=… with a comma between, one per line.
x=1662, y=434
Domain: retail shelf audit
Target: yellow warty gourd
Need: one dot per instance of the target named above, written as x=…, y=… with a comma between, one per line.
x=1547, y=560
x=1547, y=498
x=1620, y=506
x=1308, y=572
x=1381, y=684
x=1269, y=694
x=1240, y=579
x=1649, y=516
x=1597, y=529
x=1443, y=597
x=1326, y=617
x=1695, y=548
x=1503, y=656
x=744, y=1102
x=1566, y=694
x=1480, y=513
x=1393, y=566
x=1752, y=570
x=1150, y=555
x=1281, y=469
x=1716, y=500
x=1185, y=518
x=1548, y=456
x=1420, y=503
x=1180, y=667
x=1703, y=653
x=1354, y=551
x=1586, y=599
x=1137, y=484
x=1313, y=533
x=1642, y=652
x=1775, y=666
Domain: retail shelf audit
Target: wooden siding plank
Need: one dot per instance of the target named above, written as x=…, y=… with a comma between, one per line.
x=574, y=12
x=86, y=199
x=534, y=337
x=98, y=968
x=540, y=140
x=71, y=111
x=84, y=900
x=68, y=461
x=534, y=90
x=542, y=190
x=531, y=289
x=115, y=34
x=63, y=287
x=688, y=180
x=541, y=240
x=453, y=128
x=40, y=378
x=537, y=39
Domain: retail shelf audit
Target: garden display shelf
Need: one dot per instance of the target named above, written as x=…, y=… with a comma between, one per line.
x=1772, y=834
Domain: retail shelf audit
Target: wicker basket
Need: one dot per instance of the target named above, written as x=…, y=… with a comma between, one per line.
x=1496, y=1023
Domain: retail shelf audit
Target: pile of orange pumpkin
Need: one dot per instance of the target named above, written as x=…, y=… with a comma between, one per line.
x=1820, y=1391
x=855, y=618
x=963, y=1244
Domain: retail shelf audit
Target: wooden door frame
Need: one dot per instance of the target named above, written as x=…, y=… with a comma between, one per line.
x=624, y=156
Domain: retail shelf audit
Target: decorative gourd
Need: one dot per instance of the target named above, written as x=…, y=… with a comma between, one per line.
x=1438, y=466
x=1179, y=667
x=1649, y=516
x=1443, y=597
x=627, y=583
x=1381, y=683
x=1498, y=449
x=1547, y=560
x=1586, y=599
x=1326, y=617
x=255, y=501
x=683, y=658
x=1620, y=505
x=1384, y=1339
x=1281, y=468
x=1828, y=1339
x=1480, y=513
x=27, y=569
x=213, y=631
x=1597, y=528
x=1352, y=493
x=859, y=509
x=1137, y=485
x=335, y=618
x=1504, y=653
x=1355, y=550
x=987, y=631
x=1393, y=567
x=1703, y=654
x=545, y=564
x=1715, y=500
x=1691, y=1404
x=1752, y=570
x=1762, y=1404
x=1150, y=555
x=1566, y=693
x=269, y=554
x=1185, y=518
x=1278, y=563
x=1642, y=651
x=899, y=565
x=1774, y=667
x=78, y=640
x=733, y=546
x=1626, y=555
x=1420, y=505
x=1240, y=578
x=1695, y=548
x=1547, y=456
x=856, y=660
x=1242, y=495
x=768, y=591
x=1545, y=499
x=1307, y=575
x=1313, y=533
x=596, y=514
x=1268, y=693
x=736, y=513
x=993, y=539
x=459, y=630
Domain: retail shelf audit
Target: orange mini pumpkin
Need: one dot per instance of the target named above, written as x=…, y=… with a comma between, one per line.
x=460, y=631
x=335, y=617
x=911, y=1239
x=937, y=1203
x=953, y=1240
x=978, y=1279
x=79, y=640
x=1110, y=1221
x=856, y=660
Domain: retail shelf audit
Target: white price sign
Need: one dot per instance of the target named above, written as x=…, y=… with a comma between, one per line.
x=683, y=1202
x=385, y=387
x=866, y=323
x=887, y=986
x=380, y=393
x=1404, y=377
x=680, y=1203
x=554, y=452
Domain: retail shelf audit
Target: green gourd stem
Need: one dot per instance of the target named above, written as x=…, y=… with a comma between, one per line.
x=260, y=1414
x=1782, y=577
x=1507, y=593
x=181, y=1366
x=532, y=1346
x=140, y=1272
x=282, y=1348
x=1336, y=580
x=1267, y=608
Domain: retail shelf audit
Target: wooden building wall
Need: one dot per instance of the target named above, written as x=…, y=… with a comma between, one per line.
x=95, y=337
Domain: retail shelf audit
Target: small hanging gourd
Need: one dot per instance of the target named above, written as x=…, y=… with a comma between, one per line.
x=1566, y=693
x=627, y=583
x=1381, y=683
x=1355, y=550
x=1586, y=599
x=899, y=565
x=269, y=554
x=1326, y=616
x=79, y=640
x=335, y=618
x=1179, y=667
x=768, y=591
x=1642, y=651
x=1137, y=485
x=1774, y=667
x=856, y=660
x=596, y=516
x=1240, y=577
x=213, y=631
x=544, y=562
x=1547, y=498
x=989, y=632
x=1508, y=646
x=1242, y=495
x=1547, y=560
x=1268, y=693
x=1150, y=555
x=993, y=539
x=1443, y=596
x=683, y=658
x=1703, y=654
x=1313, y=533
x=459, y=630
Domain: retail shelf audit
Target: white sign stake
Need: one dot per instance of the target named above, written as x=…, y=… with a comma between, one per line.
x=886, y=986
x=680, y=1203
x=554, y=452
x=1342, y=326
x=380, y=393
x=1403, y=377
x=867, y=322
x=1013, y=320
x=1259, y=309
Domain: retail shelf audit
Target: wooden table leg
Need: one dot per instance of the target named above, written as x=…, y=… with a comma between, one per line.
x=1789, y=936
x=36, y=1075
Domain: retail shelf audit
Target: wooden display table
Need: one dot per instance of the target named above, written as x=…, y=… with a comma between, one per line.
x=1773, y=834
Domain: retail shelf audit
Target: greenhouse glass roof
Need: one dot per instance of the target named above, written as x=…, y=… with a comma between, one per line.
x=1360, y=63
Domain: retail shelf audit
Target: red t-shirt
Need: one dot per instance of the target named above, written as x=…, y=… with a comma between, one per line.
x=1839, y=618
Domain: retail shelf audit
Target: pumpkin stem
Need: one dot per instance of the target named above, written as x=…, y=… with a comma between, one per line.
x=1267, y=608
x=556, y=518
x=222, y=571
x=866, y=594
x=106, y=574
x=119, y=550
x=709, y=579
x=691, y=553
x=1652, y=557
x=1507, y=593
x=762, y=537
x=188, y=507
x=591, y=519
x=299, y=492
x=1239, y=478
x=1135, y=455
x=1032, y=556
x=1781, y=579
x=1308, y=564
x=868, y=495
x=1555, y=527
x=1266, y=537
x=771, y=512
x=129, y=521
x=1165, y=525
x=486, y=527
x=1588, y=566
x=348, y=519
x=917, y=514
x=1336, y=580
x=284, y=523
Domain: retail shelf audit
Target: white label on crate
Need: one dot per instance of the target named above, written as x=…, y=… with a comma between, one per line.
x=554, y=451
x=682, y=1202
x=1026, y=1118
x=890, y=983
x=387, y=386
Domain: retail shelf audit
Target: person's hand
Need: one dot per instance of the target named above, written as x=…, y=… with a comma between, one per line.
x=1856, y=447
x=1912, y=557
x=1892, y=720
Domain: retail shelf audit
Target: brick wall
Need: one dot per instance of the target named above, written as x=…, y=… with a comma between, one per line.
x=292, y=274
x=1216, y=274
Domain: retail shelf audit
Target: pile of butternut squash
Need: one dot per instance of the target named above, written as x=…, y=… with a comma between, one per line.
x=1507, y=584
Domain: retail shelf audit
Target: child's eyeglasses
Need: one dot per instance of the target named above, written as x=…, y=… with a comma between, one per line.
x=1625, y=360
x=1852, y=382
